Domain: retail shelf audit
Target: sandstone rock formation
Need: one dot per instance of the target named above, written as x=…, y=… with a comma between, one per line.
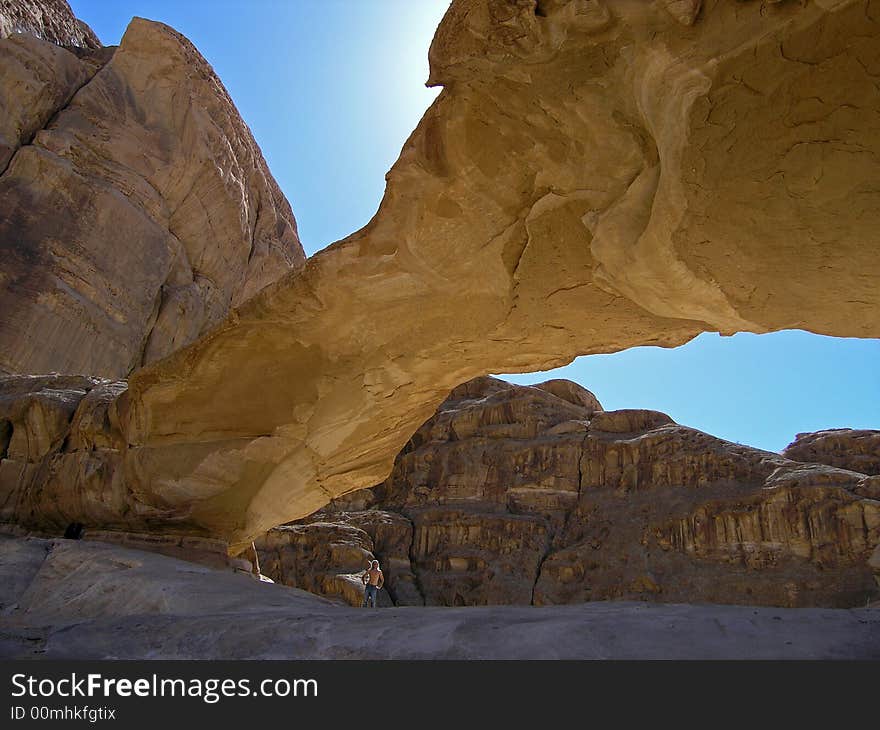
x=593, y=176
x=509, y=494
x=519, y=495
x=849, y=448
x=50, y=20
x=62, y=458
x=329, y=557
x=136, y=206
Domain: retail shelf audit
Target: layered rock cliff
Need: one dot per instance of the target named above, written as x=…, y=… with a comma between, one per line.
x=848, y=448
x=593, y=176
x=136, y=209
x=518, y=495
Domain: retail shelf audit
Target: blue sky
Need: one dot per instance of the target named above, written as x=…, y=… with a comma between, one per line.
x=332, y=89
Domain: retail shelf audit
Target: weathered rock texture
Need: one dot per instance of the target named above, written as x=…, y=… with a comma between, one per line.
x=329, y=557
x=593, y=176
x=51, y=20
x=848, y=448
x=518, y=495
x=62, y=456
x=135, y=206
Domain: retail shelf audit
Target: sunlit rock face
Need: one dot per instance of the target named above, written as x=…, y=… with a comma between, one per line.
x=593, y=176
x=135, y=207
x=50, y=20
x=512, y=495
x=847, y=448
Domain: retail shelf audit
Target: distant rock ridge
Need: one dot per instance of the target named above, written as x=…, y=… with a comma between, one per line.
x=847, y=448
x=534, y=494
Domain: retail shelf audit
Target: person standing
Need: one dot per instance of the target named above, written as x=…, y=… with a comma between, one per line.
x=373, y=581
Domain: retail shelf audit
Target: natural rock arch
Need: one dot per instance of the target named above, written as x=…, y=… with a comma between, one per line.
x=595, y=176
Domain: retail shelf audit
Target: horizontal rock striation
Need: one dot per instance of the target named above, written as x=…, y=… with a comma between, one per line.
x=136, y=209
x=517, y=496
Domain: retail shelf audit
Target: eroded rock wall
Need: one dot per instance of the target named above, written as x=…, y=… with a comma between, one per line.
x=329, y=558
x=847, y=448
x=50, y=20
x=516, y=496
x=62, y=458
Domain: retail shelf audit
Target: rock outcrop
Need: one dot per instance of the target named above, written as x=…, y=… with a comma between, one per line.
x=848, y=448
x=62, y=458
x=519, y=495
x=509, y=494
x=592, y=177
x=329, y=557
x=50, y=20
x=137, y=209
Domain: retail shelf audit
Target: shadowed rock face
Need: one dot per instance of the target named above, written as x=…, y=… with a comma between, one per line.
x=593, y=176
x=512, y=495
x=136, y=206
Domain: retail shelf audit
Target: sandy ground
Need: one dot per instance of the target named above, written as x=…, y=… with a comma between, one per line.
x=65, y=599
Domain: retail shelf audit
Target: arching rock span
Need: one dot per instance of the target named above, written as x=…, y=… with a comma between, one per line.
x=593, y=176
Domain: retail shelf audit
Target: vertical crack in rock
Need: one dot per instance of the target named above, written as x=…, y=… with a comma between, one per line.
x=413, y=560
x=547, y=550
x=141, y=357
x=29, y=140
x=561, y=532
